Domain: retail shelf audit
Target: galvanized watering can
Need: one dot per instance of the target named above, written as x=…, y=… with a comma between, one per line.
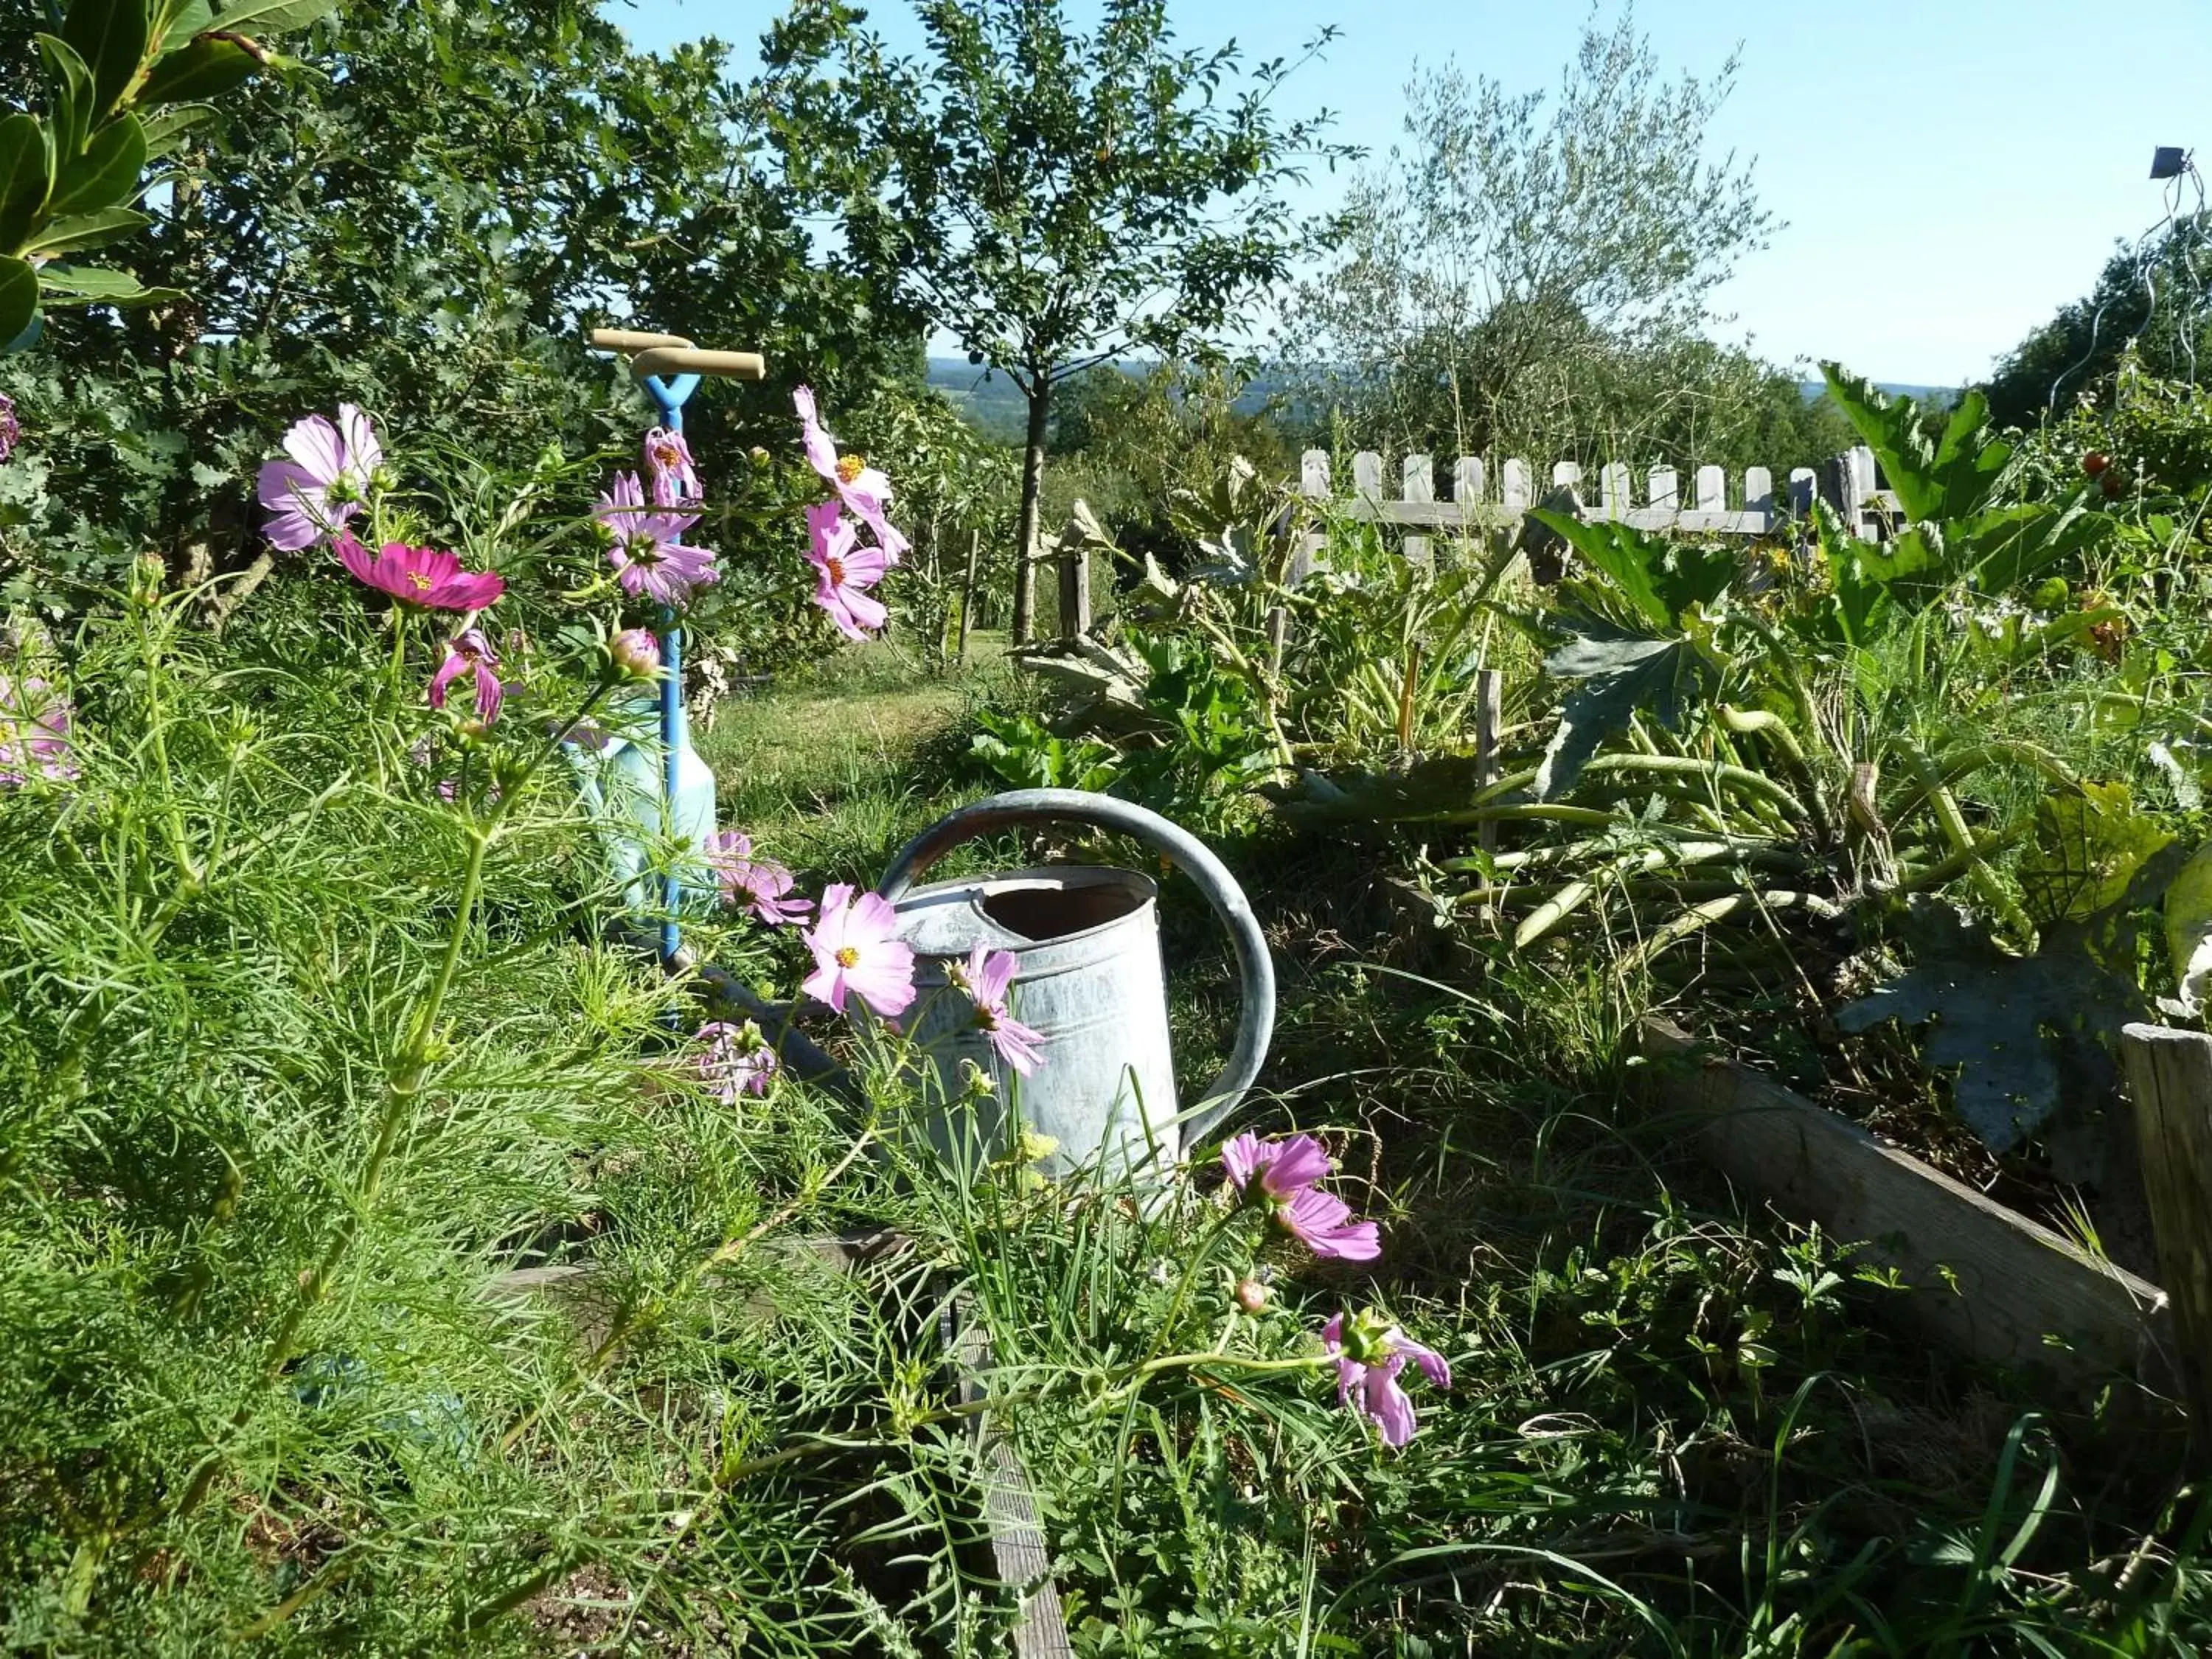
x=1086, y=942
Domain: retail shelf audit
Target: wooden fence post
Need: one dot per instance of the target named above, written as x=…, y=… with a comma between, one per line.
x=2170, y=1081
x=1075, y=590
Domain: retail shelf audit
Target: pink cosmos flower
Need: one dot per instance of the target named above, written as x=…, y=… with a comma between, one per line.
x=421, y=578
x=846, y=573
x=324, y=483
x=636, y=653
x=648, y=554
x=987, y=978
x=470, y=653
x=862, y=488
x=759, y=884
x=855, y=953
x=1284, y=1175
x=34, y=733
x=735, y=1059
x=668, y=464
x=1368, y=1356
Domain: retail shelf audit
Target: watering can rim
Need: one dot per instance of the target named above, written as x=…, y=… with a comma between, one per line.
x=1256, y=965
x=1031, y=878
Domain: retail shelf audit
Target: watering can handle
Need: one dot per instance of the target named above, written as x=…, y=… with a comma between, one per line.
x=1255, y=968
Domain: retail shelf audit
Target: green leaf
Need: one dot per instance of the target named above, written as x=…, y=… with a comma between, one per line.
x=106, y=175
x=1428, y=788
x=89, y=230
x=2009, y=547
x=273, y=16
x=72, y=111
x=19, y=298
x=182, y=21
x=2014, y=1029
x=1622, y=674
x=1660, y=575
x=1954, y=479
x=111, y=36
x=2086, y=853
x=2188, y=929
x=207, y=67
x=162, y=131
x=87, y=285
x=26, y=177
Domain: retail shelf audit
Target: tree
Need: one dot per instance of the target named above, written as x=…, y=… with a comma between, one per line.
x=1053, y=198
x=1505, y=276
x=2157, y=295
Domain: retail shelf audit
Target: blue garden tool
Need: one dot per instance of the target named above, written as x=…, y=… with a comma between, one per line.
x=682, y=805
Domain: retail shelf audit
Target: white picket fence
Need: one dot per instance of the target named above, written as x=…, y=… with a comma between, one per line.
x=1748, y=507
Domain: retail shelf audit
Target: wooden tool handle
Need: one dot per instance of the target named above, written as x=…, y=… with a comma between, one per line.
x=627, y=340
x=686, y=360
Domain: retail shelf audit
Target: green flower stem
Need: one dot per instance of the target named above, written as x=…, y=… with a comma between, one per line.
x=1952, y=822
x=1772, y=730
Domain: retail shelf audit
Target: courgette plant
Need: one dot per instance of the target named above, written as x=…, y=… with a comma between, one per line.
x=126, y=79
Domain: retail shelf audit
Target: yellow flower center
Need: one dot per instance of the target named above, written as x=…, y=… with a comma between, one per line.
x=850, y=467
x=848, y=957
x=422, y=583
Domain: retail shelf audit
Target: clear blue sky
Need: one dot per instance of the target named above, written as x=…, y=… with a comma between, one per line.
x=1951, y=171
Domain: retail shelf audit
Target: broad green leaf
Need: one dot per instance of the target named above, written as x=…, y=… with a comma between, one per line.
x=89, y=230
x=273, y=16
x=19, y=299
x=2188, y=929
x=182, y=21
x=111, y=36
x=163, y=129
x=26, y=177
x=106, y=175
x=87, y=285
x=71, y=116
x=1621, y=674
x=206, y=67
x=1662, y=576
x=1951, y=480
x=2087, y=850
x=2009, y=547
x=2012, y=1028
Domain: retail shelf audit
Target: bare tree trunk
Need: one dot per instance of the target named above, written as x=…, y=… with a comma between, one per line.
x=1025, y=526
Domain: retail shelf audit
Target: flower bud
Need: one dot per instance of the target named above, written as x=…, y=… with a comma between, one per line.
x=1251, y=1295
x=635, y=655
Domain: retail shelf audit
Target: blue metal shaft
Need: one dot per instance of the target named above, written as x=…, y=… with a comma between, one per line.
x=670, y=394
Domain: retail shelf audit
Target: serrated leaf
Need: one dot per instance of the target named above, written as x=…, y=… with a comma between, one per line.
x=106, y=175
x=203, y=69
x=2011, y=1029
x=84, y=285
x=1622, y=674
x=1662, y=576
x=2087, y=850
x=26, y=177
x=273, y=16
x=72, y=112
x=89, y=230
x=2189, y=930
x=2009, y=547
x=1952, y=479
x=164, y=128
x=19, y=299
x=111, y=36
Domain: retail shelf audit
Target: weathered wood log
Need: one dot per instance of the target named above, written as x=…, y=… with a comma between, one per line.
x=1985, y=1281
x=2170, y=1081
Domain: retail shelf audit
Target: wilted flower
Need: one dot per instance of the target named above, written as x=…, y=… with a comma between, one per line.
x=862, y=488
x=324, y=483
x=759, y=884
x=1251, y=1295
x=668, y=464
x=635, y=653
x=34, y=733
x=1283, y=1174
x=856, y=952
x=421, y=578
x=986, y=977
x=470, y=653
x=847, y=572
x=1368, y=1356
x=648, y=554
x=737, y=1059
x=11, y=429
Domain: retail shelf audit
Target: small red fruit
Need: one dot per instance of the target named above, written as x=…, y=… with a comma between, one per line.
x=2095, y=462
x=2110, y=485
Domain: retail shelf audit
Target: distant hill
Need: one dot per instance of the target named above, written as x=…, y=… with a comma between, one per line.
x=1935, y=395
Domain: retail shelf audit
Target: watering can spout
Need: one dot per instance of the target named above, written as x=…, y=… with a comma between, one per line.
x=1087, y=976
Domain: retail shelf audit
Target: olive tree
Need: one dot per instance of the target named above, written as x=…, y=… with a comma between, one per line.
x=1054, y=198
x=1502, y=275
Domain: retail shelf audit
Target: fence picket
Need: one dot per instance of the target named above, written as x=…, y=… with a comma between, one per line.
x=1758, y=490
x=1712, y=490
x=1517, y=485
x=1367, y=475
x=1418, y=474
x=1466, y=480
x=1613, y=488
x=1666, y=490
x=1567, y=475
